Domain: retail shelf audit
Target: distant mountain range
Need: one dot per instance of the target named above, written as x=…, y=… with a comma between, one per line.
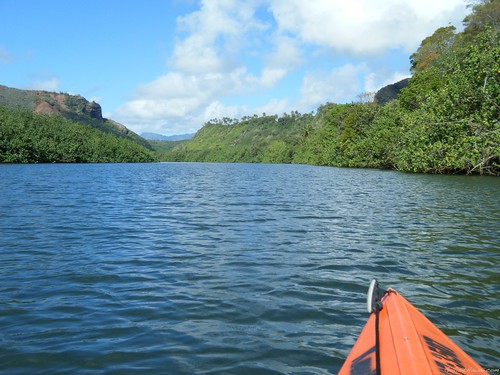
x=161, y=137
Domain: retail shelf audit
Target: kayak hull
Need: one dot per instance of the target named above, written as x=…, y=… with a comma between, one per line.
x=409, y=343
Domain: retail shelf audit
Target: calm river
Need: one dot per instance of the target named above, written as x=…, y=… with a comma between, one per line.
x=234, y=268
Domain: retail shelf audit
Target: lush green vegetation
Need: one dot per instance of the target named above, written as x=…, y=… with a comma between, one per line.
x=163, y=149
x=445, y=121
x=256, y=139
x=27, y=137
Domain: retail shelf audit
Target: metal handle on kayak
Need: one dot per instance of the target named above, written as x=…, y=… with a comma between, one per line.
x=373, y=302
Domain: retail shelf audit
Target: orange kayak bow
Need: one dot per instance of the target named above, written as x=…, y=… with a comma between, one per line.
x=400, y=340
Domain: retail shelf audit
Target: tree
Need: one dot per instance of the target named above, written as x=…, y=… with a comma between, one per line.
x=432, y=47
x=485, y=13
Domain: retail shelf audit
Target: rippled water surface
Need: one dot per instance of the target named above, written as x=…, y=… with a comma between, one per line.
x=234, y=268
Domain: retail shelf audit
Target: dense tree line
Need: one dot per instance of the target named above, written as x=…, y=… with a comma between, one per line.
x=445, y=121
x=27, y=137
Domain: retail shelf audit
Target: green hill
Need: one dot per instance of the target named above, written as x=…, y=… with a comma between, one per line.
x=29, y=137
x=44, y=127
x=264, y=139
x=72, y=107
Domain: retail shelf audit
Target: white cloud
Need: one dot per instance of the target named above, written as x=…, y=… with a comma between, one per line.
x=287, y=52
x=177, y=100
x=343, y=84
x=152, y=109
x=268, y=78
x=207, y=64
x=195, y=55
x=214, y=36
x=275, y=106
x=217, y=110
x=364, y=26
x=334, y=86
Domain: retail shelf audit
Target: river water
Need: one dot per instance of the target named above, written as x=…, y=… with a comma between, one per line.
x=234, y=268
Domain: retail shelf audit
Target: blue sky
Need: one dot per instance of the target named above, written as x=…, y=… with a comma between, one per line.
x=169, y=66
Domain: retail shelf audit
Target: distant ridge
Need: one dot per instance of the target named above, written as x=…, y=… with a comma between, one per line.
x=161, y=137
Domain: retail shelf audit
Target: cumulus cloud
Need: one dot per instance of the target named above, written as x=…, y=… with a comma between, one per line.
x=229, y=48
x=274, y=106
x=343, y=83
x=179, y=98
x=364, y=26
x=268, y=78
x=207, y=64
x=320, y=87
x=217, y=110
x=213, y=36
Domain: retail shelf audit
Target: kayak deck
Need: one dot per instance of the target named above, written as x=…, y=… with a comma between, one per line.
x=409, y=343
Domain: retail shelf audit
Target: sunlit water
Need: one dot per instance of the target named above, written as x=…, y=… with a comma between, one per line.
x=234, y=268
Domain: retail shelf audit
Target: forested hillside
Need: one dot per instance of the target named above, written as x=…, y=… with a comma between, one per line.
x=46, y=127
x=72, y=107
x=256, y=139
x=28, y=137
x=445, y=121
